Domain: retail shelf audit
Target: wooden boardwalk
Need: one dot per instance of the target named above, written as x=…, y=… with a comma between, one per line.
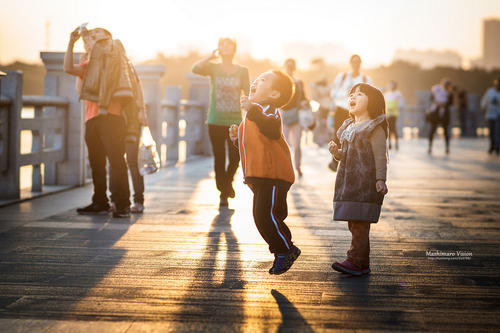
x=185, y=266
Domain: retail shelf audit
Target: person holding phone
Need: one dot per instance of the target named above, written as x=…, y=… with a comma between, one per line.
x=227, y=83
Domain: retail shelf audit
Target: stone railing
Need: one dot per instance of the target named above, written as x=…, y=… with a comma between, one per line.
x=55, y=124
x=183, y=121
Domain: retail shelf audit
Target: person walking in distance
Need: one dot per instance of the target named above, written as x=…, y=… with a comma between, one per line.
x=439, y=115
x=227, y=83
x=394, y=102
x=340, y=93
x=290, y=115
x=491, y=104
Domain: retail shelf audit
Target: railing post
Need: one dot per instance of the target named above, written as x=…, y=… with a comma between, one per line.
x=473, y=121
x=171, y=109
x=199, y=91
x=150, y=77
x=57, y=83
x=423, y=103
x=193, y=114
x=12, y=89
x=37, y=147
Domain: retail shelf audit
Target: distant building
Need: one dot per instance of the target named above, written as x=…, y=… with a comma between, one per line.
x=429, y=58
x=491, y=44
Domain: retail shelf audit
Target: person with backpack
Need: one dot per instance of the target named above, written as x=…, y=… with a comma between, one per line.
x=340, y=94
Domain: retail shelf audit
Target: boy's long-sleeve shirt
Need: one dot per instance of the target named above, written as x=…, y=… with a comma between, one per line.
x=264, y=153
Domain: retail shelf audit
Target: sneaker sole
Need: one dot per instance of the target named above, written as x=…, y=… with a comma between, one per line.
x=343, y=269
x=291, y=264
x=117, y=216
x=94, y=213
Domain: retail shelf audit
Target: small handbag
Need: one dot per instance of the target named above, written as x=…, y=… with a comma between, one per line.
x=306, y=117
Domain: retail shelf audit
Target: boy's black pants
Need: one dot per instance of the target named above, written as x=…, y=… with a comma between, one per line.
x=269, y=212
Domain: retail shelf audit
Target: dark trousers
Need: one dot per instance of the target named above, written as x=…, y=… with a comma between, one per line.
x=219, y=138
x=132, y=151
x=492, y=130
x=269, y=212
x=393, y=129
x=105, y=136
x=434, y=126
x=132, y=154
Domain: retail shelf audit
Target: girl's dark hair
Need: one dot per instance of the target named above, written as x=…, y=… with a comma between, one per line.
x=376, y=101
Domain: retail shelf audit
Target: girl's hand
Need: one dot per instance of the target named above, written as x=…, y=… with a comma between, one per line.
x=244, y=102
x=233, y=132
x=335, y=150
x=381, y=187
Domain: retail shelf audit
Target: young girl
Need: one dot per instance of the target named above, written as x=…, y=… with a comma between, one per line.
x=360, y=185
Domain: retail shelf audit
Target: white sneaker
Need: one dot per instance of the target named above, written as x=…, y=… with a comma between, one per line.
x=137, y=208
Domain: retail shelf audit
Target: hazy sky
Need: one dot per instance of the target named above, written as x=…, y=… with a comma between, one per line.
x=375, y=29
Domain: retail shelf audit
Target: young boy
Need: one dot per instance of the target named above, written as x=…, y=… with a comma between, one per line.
x=266, y=163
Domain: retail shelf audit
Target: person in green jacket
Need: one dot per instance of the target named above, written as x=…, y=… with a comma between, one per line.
x=227, y=83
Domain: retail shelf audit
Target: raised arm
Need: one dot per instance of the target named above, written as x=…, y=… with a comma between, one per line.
x=69, y=66
x=203, y=67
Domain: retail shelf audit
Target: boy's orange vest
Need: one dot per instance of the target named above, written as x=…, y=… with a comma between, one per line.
x=262, y=157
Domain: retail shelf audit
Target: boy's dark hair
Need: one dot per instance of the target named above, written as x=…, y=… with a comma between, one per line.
x=376, y=101
x=284, y=84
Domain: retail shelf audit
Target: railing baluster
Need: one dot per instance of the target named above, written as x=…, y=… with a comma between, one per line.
x=37, y=147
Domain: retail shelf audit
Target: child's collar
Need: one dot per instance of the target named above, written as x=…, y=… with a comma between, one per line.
x=271, y=103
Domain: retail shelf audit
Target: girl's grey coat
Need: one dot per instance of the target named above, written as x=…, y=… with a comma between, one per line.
x=356, y=198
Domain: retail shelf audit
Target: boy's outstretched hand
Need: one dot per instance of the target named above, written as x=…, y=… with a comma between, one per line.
x=381, y=187
x=233, y=132
x=244, y=102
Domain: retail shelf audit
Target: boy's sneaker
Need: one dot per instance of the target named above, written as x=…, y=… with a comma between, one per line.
x=93, y=209
x=349, y=268
x=283, y=262
x=137, y=208
x=122, y=212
